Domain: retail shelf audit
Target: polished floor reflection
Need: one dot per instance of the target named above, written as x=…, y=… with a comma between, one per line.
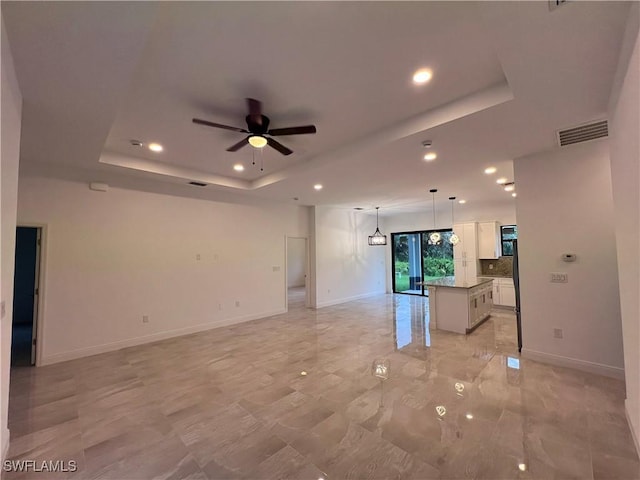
x=296, y=396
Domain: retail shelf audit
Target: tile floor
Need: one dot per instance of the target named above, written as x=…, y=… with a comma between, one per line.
x=233, y=403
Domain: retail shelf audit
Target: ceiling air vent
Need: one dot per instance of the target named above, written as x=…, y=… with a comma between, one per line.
x=198, y=184
x=583, y=133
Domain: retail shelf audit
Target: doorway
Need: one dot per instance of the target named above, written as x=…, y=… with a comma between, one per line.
x=296, y=279
x=26, y=292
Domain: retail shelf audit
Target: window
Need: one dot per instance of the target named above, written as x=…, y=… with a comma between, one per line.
x=508, y=233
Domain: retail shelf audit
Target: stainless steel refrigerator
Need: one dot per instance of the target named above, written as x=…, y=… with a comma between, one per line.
x=516, y=284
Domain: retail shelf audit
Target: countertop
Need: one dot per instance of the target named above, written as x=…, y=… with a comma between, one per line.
x=495, y=276
x=454, y=283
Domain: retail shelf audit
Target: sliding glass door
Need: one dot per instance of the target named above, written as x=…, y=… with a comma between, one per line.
x=438, y=258
x=407, y=263
x=416, y=260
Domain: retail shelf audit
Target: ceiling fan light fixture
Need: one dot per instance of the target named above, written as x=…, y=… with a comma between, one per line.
x=257, y=141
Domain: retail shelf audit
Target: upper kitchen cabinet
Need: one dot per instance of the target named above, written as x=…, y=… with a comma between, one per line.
x=467, y=247
x=465, y=253
x=488, y=240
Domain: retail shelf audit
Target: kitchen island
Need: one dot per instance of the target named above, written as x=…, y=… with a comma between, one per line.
x=459, y=306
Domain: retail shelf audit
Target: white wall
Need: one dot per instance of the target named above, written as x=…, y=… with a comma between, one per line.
x=113, y=257
x=565, y=205
x=11, y=121
x=296, y=261
x=346, y=267
x=625, y=173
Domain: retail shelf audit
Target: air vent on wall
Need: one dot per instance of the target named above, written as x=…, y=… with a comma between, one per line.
x=198, y=184
x=583, y=133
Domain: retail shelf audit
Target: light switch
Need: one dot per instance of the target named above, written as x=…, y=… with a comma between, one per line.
x=559, y=278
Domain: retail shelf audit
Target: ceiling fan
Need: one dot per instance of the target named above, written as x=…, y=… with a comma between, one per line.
x=258, y=131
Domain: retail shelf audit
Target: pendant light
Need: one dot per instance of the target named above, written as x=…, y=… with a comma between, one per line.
x=453, y=239
x=434, y=237
x=377, y=238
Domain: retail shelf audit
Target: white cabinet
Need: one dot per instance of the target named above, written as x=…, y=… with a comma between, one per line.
x=507, y=293
x=465, y=253
x=504, y=293
x=459, y=310
x=489, y=240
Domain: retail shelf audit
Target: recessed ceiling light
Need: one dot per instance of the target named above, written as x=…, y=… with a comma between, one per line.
x=317, y=186
x=462, y=201
x=501, y=181
x=358, y=208
x=422, y=76
x=430, y=156
x=238, y=168
x=155, y=147
x=469, y=416
x=490, y=170
x=514, y=194
x=510, y=187
x=522, y=467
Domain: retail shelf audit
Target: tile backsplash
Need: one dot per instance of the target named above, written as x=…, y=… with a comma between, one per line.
x=502, y=267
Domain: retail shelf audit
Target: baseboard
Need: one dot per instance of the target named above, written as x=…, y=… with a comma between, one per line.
x=132, y=342
x=585, y=366
x=348, y=299
x=634, y=433
x=5, y=443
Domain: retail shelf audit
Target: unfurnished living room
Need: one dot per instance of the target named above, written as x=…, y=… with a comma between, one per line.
x=320, y=240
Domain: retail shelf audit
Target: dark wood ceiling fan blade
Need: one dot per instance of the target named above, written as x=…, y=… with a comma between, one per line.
x=278, y=146
x=239, y=145
x=293, y=130
x=255, y=110
x=218, y=125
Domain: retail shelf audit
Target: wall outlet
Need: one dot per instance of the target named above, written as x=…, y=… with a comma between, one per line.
x=219, y=306
x=237, y=303
x=275, y=269
x=3, y=309
x=197, y=256
x=145, y=319
x=557, y=333
x=559, y=278
x=491, y=266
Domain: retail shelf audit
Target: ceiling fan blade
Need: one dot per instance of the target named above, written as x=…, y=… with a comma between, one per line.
x=217, y=125
x=255, y=110
x=239, y=145
x=278, y=146
x=293, y=130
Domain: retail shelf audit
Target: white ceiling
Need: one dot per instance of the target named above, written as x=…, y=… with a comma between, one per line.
x=507, y=76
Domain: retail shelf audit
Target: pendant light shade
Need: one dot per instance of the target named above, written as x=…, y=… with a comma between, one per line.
x=453, y=239
x=434, y=237
x=377, y=238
